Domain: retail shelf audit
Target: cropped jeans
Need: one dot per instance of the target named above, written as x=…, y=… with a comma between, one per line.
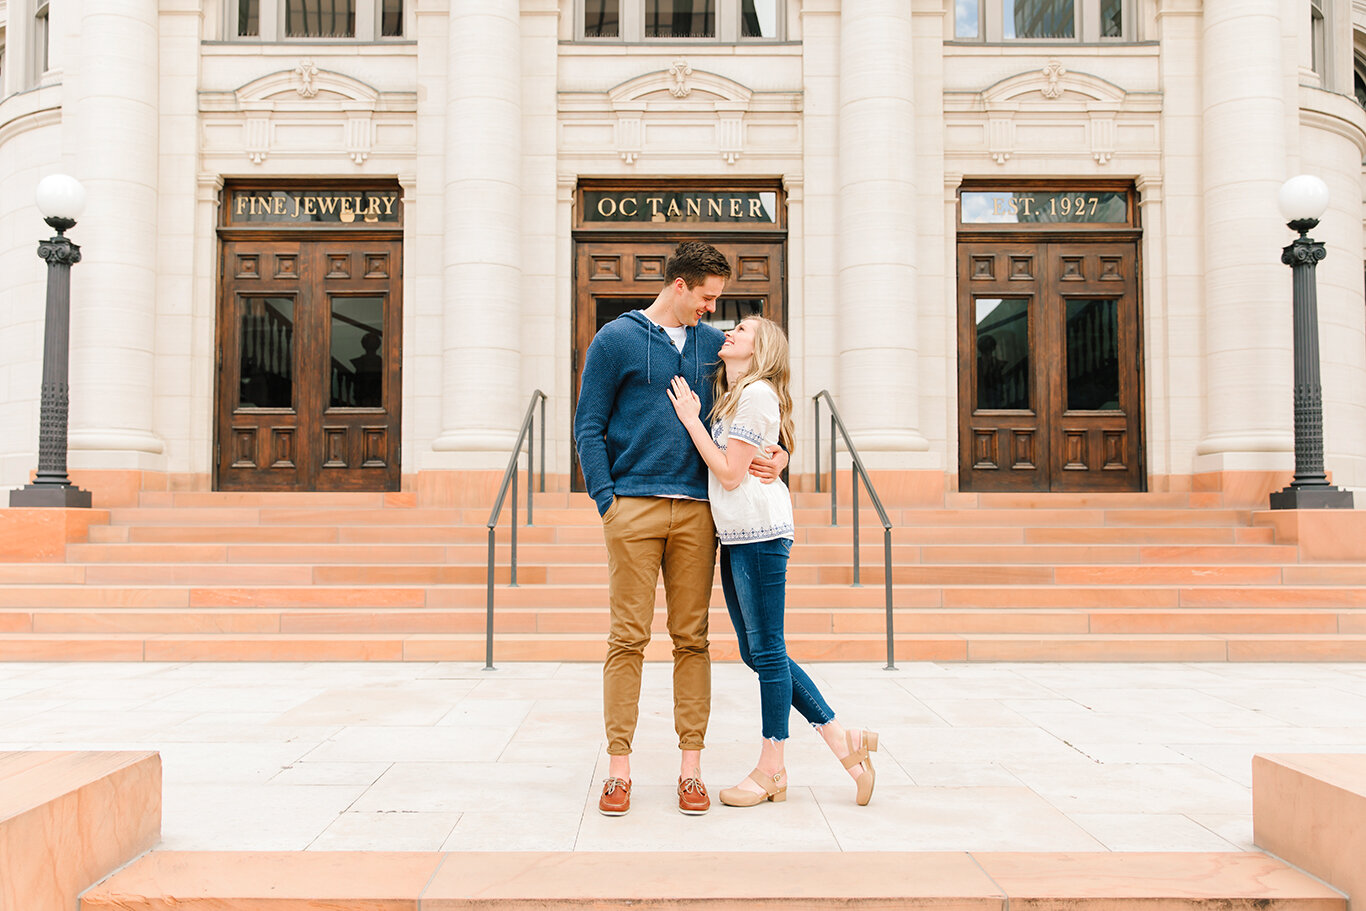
x=754, y=580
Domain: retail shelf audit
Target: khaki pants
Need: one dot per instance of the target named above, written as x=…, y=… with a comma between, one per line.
x=645, y=535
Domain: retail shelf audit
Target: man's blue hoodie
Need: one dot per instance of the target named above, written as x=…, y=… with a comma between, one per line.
x=630, y=441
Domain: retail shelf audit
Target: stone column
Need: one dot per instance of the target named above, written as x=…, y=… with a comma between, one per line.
x=1247, y=291
x=481, y=367
x=113, y=105
x=878, y=345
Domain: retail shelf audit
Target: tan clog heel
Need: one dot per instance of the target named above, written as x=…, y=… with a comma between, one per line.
x=867, y=744
x=773, y=790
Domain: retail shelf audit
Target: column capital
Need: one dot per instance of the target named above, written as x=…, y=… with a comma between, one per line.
x=59, y=251
x=1149, y=187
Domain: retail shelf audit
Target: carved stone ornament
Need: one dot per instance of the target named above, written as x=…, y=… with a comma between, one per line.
x=1053, y=71
x=307, y=71
x=679, y=72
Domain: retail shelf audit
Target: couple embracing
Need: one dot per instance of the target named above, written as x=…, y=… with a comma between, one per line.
x=667, y=488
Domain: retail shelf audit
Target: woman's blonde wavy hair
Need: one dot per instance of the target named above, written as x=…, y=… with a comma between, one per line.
x=771, y=362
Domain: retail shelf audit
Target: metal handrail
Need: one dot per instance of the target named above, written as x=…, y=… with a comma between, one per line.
x=528, y=434
x=858, y=471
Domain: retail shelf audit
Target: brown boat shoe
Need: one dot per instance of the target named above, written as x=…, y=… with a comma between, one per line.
x=692, y=797
x=616, y=797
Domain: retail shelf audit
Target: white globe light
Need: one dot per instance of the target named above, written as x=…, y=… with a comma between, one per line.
x=1303, y=198
x=60, y=196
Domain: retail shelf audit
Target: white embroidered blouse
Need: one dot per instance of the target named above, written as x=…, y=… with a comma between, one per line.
x=753, y=511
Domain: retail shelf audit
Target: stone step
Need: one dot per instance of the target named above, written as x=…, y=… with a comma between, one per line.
x=591, y=555
x=1191, y=600
x=586, y=515
x=555, y=621
x=69, y=819
x=814, y=535
x=846, y=646
x=670, y=881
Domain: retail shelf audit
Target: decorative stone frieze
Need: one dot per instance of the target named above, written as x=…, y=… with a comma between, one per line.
x=301, y=112
x=687, y=99
x=1056, y=113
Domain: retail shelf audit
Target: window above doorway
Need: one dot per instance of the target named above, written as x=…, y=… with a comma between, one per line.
x=680, y=21
x=317, y=20
x=1008, y=21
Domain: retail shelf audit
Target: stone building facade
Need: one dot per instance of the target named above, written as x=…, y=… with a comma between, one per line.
x=1026, y=244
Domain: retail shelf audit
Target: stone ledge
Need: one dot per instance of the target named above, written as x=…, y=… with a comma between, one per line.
x=1322, y=535
x=67, y=819
x=1310, y=809
x=163, y=881
x=41, y=535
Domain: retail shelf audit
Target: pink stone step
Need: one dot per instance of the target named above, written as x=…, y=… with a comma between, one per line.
x=1311, y=810
x=52, y=622
x=1140, y=535
x=828, y=621
x=69, y=819
x=230, y=534
x=147, y=553
x=308, y=596
x=734, y=881
x=1219, y=623
x=195, y=574
x=92, y=596
x=1273, y=596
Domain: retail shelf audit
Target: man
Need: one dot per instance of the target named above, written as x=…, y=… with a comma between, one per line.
x=650, y=486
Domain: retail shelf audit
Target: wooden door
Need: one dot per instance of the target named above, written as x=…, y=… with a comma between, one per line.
x=613, y=278
x=1049, y=378
x=308, y=368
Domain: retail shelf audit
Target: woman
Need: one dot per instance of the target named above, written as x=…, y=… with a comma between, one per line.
x=753, y=409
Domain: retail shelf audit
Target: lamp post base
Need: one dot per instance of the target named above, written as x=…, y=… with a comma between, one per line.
x=60, y=495
x=1312, y=498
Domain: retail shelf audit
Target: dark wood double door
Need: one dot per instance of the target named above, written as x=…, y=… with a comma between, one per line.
x=1049, y=367
x=308, y=366
x=611, y=278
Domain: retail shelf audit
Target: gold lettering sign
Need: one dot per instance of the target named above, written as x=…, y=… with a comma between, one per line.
x=322, y=207
x=681, y=207
x=987, y=207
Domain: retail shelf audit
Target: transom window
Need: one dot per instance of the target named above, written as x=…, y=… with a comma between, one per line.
x=724, y=21
x=302, y=20
x=1043, y=20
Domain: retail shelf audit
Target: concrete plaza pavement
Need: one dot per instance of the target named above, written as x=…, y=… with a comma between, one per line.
x=428, y=757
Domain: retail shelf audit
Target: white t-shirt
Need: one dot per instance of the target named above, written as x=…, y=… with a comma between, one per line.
x=678, y=335
x=754, y=511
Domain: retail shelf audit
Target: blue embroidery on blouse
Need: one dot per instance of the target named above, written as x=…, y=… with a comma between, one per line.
x=749, y=436
x=749, y=535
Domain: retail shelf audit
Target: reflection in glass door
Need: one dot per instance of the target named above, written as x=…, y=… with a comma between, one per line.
x=1049, y=381
x=308, y=375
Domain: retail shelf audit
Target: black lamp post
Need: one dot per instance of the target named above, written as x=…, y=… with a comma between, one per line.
x=1303, y=199
x=60, y=199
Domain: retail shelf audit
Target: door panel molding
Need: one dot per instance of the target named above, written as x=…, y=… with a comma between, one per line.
x=1039, y=443
x=313, y=444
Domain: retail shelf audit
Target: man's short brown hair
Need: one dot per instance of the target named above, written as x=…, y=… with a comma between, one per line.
x=693, y=261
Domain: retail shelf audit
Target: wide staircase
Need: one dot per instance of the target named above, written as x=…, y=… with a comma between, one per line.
x=372, y=576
